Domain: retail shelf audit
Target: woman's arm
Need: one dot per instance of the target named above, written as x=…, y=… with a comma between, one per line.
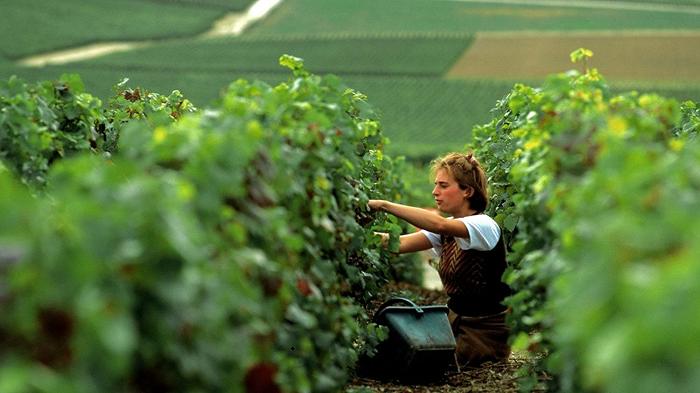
x=422, y=218
x=414, y=242
x=408, y=243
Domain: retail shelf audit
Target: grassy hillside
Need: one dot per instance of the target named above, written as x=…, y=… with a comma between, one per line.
x=401, y=75
x=34, y=26
x=426, y=55
x=420, y=115
x=395, y=51
x=423, y=116
x=234, y=5
x=370, y=16
x=663, y=2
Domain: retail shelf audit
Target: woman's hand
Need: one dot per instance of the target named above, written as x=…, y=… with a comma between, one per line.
x=384, y=238
x=376, y=204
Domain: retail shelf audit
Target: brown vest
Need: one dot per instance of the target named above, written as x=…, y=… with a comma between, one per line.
x=472, y=278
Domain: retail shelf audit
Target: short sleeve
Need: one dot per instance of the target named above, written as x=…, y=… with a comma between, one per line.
x=435, y=240
x=484, y=233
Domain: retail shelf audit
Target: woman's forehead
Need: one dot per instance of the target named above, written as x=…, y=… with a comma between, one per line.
x=443, y=175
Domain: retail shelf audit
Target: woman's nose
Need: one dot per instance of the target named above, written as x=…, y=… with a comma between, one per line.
x=435, y=190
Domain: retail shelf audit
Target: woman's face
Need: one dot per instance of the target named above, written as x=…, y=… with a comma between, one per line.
x=448, y=196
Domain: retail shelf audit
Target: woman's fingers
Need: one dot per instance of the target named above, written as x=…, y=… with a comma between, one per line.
x=384, y=236
x=375, y=204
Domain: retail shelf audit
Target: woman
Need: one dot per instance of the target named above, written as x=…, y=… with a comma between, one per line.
x=472, y=256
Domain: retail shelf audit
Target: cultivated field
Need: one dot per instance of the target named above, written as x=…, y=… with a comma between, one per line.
x=626, y=56
x=315, y=16
x=390, y=54
x=417, y=60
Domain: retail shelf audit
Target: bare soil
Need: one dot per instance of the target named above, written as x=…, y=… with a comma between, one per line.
x=654, y=55
x=490, y=377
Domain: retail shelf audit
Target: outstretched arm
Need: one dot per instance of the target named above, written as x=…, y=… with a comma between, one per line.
x=421, y=218
x=408, y=243
x=414, y=242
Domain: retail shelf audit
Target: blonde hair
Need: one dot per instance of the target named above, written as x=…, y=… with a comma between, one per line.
x=467, y=171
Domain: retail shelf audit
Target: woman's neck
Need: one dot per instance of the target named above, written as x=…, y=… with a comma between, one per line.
x=464, y=212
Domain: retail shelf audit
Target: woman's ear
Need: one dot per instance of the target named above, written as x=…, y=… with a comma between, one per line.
x=468, y=192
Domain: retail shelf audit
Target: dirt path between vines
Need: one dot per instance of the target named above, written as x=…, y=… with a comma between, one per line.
x=499, y=377
x=640, y=55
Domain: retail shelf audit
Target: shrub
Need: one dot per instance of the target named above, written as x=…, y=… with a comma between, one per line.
x=231, y=250
x=570, y=168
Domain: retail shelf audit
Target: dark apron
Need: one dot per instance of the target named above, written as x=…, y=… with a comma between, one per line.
x=480, y=339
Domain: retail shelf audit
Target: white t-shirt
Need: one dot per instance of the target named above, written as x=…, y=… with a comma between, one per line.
x=483, y=231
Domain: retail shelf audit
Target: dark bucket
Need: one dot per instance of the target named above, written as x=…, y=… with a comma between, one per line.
x=420, y=345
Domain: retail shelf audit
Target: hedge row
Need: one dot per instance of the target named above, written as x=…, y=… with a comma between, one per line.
x=222, y=249
x=599, y=194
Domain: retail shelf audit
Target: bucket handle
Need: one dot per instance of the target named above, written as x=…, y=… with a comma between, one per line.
x=398, y=299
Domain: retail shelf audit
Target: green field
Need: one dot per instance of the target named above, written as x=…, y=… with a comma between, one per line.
x=424, y=55
x=670, y=2
x=234, y=5
x=371, y=16
x=34, y=26
x=421, y=116
x=400, y=74
x=395, y=51
x=199, y=87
